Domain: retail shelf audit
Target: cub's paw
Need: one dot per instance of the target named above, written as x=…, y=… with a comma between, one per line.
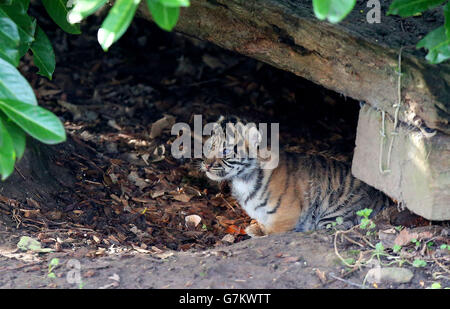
x=255, y=230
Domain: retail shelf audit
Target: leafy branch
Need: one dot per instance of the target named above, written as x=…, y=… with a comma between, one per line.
x=20, y=114
x=437, y=42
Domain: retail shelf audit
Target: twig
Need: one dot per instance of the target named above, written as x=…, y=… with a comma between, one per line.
x=347, y=281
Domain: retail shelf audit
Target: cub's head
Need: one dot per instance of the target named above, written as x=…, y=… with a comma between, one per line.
x=231, y=149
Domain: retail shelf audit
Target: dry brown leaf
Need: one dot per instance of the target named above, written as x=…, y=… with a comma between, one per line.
x=192, y=221
x=321, y=275
x=157, y=194
x=183, y=197
x=229, y=238
x=138, y=181
x=158, y=126
x=405, y=237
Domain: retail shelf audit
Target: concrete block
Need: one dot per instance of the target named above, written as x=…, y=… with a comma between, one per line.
x=419, y=167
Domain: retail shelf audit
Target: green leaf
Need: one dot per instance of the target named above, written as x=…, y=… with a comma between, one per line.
x=175, y=3
x=406, y=8
x=9, y=39
x=43, y=54
x=27, y=243
x=379, y=248
x=7, y=154
x=165, y=17
x=447, y=19
x=17, y=11
x=364, y=212
x=36, y=121
x=436, y=285
x=438, y=45
x=117, y=22
x=84, y=8
x=396, y=248
x=54, y=262
x=333, y=10
x=17, y=135
x=13, y=85
x=58, y=11
x=419, y=263
x=5, y=2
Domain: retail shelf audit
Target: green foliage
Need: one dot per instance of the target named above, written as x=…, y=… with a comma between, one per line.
x=366, y=223
x=164, y=16
x=438, y=45
x=19, y=33
x=117, y=22
x=51, y=266
x=19, y=113
x=333, y=11
x=34, y=120
x=444, y=246
x=84, y=8
x=27, y=243
x=437, y=42
x=396, y=248
x=407, y=8
x=419, y=263
x=58, y=11
x=43, y=54
x=435, y=286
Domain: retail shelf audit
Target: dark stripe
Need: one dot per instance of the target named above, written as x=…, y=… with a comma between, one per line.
x=276, y=207
x=257, y=186
x=264, y=203
x=288, y=163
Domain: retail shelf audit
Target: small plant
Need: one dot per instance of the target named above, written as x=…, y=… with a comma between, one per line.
x=435, y=286
x=51, y=266
x=416, y=243
x=338, y=221
x=444, y=246
x=396, y=248
x=419, y=263
x=366, y=223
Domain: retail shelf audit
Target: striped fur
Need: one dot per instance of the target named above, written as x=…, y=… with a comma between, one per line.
x=304, y=192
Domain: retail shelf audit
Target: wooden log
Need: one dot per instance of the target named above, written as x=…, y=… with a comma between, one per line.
x=419, y=168
x=354, y=58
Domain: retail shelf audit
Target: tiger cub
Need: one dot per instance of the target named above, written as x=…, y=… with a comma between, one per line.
x=303, y=193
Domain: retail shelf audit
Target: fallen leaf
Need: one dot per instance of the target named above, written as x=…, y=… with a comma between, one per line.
x=27, y=243
x=405, y=237
x=229, y=238
x=321, y=275
x=192, y=221
x=233, y=229
x=183, y=197
x=158, y=126
x=138, y=181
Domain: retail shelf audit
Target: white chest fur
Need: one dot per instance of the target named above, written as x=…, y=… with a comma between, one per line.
x=242, y=189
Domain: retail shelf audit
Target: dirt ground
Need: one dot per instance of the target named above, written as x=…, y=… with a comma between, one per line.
x=110, y=204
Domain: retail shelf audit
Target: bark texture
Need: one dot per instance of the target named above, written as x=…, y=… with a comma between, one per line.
x=354, y=58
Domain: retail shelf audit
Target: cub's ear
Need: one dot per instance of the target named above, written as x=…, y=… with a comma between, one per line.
x=254, y=137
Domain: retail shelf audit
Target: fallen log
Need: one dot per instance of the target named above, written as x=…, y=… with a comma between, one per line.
x=354, y=58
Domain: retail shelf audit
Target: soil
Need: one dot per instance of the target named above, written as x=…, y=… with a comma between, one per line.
x=113, y=200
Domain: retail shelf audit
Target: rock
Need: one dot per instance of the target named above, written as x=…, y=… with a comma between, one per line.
x=389, y=275
x=418, y=177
